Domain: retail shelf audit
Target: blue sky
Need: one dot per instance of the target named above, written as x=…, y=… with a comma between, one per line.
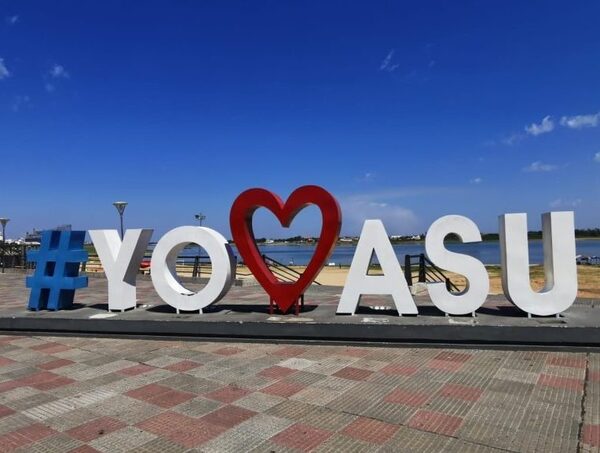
x=404, y=111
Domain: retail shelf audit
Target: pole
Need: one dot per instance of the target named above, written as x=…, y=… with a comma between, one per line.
x=3, y=245
x=120, y=205
x=3, y=222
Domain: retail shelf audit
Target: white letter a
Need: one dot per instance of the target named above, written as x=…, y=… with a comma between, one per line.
x=374, y=241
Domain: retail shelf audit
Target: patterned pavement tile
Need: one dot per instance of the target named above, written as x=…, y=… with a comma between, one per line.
x=183, y=365
x=461, y=392
x=306, y=377
x=136, y=370
x=259, y=402
x=318, y=396
x=159, y=395
x=197, y=407
x=187, y=431
x=321, y=417
x=408, y=440
x=228, y=416
x=301, y=437
x=296, y=363
x=591, y=435
x=93, y=394
x=95, y=428
x=525, y=377
x=24, y=436
x=276, y=372
x=55, y=443
x=407, y=397
x=159, y=445
x=340, y=442
x=283, y=388
x=228, y=394
x=435, y=422
x=126, y=409
x=353, y=373
x=71, y=419
x=396, y=369
x=54, y=364
x=561, y=382
x=394, y=413
x=370, y=430
x=122, y=440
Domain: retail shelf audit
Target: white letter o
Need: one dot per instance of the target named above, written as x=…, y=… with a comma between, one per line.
x=164, y=273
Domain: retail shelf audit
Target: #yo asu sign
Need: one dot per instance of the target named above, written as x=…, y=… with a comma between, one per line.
x=121, y=260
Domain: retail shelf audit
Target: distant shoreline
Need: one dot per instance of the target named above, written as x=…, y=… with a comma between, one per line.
x=420, y=241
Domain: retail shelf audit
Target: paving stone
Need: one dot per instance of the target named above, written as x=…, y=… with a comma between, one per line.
x=259, y=402
x=340, y=442
x=328, y=398
x=408, y=440
x=370, y=430
x=197, y=407
x=302, y=437
x=159, y=445
x=52, y=444
x=122, y=440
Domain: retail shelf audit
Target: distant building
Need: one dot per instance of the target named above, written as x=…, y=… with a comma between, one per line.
x=36, y=235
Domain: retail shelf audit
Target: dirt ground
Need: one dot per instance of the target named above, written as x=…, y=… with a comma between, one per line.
x=588, y=279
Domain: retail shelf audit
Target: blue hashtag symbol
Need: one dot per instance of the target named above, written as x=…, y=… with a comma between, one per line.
x=56, y=275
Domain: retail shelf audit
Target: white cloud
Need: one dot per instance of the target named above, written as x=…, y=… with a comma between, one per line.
x=394, y=217
x=387, y=205
x=59, y=72
x=12, y=20
x=562, y=203
x=367, y=177
x=477, y=180
x=547, y=125
x=512, y=139
x=386, y=64
x=4, y=73
x=581, y=121
x=19, y=102
x=597, y=157
x=539, y=167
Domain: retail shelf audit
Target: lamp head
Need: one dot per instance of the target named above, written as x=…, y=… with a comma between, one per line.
x=120, y=205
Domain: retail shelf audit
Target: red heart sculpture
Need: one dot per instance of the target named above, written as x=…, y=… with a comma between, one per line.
x=284, y=294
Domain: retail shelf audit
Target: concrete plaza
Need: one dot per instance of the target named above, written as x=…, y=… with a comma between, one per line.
x=111, y=395
x=81, y=393
x=244, y=313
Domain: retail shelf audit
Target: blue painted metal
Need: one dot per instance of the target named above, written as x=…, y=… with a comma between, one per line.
x=56, y=275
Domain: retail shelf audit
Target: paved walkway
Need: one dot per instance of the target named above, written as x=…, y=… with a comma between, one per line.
x=86, y=394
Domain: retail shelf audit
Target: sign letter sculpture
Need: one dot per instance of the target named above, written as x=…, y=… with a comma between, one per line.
x=121, y=263
x=56, y=274
x=284, y=294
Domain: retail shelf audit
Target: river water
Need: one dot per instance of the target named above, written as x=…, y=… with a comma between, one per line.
x=486, y=252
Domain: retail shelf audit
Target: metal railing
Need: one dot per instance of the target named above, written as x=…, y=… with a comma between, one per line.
x=13, y=256
x=282, y=272
x=201, y=265
x=427, y=272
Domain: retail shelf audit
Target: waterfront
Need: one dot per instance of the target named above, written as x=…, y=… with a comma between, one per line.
x=487, y=252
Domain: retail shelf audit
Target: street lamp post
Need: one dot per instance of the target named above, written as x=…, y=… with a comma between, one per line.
x=200, y=218
x=3, y=222
x=120, y=205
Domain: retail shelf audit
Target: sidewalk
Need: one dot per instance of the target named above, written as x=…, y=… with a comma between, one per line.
x=84, y=394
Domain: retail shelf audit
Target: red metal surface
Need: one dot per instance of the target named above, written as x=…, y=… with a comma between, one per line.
x=284, y=294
